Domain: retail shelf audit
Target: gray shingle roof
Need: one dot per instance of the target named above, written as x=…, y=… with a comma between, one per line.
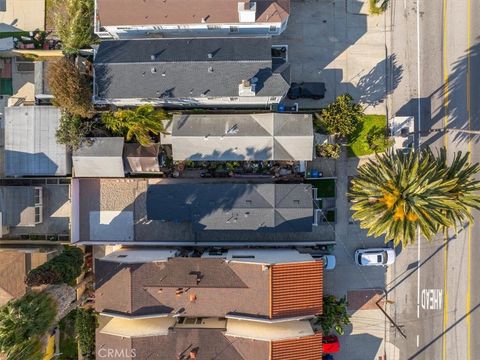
x=181, y=68
x=234, y=206
x=31, y=148
x=233, y=137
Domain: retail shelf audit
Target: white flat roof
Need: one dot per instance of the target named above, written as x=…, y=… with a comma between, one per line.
x=139, y=256
x=130, y=328
x=264, y=256
x=269, y=332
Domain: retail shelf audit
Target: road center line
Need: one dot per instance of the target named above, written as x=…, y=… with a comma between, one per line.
x=419, y=123
x=469, y=238
x=445, y=142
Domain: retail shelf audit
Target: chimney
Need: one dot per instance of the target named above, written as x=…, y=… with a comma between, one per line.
x=246, y=88
x=247, y=11
x=192, y=297
x=193, y=354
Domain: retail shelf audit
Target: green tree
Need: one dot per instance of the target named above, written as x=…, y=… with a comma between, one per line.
x=71, y=89
x=340, y=117
x=378, y=139
x=140, y=123
x=334, y=316
x=85, y=325
x=73, y=20
x=397, y=193
x=71, y=130
x=64, y=268
x=24, y=319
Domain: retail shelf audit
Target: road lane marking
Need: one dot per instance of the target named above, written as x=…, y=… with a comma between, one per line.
x=445, y=74
x=432, y=299
x=418, y=340
x=419, y=122
x=445, y=298
x=469, y=238
x=445, y=143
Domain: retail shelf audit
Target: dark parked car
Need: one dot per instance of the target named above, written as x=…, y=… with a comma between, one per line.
x=310, y=90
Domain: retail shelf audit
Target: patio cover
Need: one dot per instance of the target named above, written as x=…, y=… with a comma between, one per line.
x=237, y=137
x=140, y=159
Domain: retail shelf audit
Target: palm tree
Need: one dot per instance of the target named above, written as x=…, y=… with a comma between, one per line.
x=25, y=321
x=139, y=123
x=397, y=193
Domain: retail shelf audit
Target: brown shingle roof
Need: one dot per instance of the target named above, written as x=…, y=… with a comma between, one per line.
x=306, y=348
x=158, y=12
x=209, y=343
x=296, y=289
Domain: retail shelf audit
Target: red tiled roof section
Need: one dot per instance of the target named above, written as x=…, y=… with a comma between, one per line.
x=296, y=289
x=305, y=348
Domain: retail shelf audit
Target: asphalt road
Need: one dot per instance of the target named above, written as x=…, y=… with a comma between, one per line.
x=435, y=286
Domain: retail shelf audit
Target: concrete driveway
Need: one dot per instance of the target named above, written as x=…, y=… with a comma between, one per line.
x=336, y=42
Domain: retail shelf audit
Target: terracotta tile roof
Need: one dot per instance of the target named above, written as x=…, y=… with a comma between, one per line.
x=159, y=12
x=296, y=289
x=306, y=348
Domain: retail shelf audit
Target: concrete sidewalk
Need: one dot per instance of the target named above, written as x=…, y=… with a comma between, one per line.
x=337, y=42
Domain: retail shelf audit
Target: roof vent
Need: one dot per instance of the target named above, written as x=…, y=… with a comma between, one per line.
x=153, y=70
x=152, y=57
x=210, y=69
x=210, y=55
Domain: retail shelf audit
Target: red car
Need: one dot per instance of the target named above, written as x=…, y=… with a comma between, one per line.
x=331, y=344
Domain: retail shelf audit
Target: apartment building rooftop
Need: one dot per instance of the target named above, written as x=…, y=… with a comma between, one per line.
x=158, y=211
x=150, y=12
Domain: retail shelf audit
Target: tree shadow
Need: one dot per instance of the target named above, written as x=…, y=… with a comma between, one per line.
x=372, y=86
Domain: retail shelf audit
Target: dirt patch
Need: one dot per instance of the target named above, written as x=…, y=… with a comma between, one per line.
x=364, y=299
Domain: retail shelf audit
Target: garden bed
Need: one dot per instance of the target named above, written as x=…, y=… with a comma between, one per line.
x=325, y=187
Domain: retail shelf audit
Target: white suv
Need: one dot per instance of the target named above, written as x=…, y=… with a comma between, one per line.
x=374, y=257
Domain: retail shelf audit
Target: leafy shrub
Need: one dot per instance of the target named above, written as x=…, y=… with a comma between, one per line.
x=64, y=268
x=335, y=315
x=73, y=21
x=340, y=117
x=85, y=325
x=71, y=90
x=378, y=139
x=328, y=150
x=71, y=130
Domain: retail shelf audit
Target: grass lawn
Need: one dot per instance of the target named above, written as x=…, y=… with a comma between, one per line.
x=358, y=145
x=325, y=187
x=68, y=342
